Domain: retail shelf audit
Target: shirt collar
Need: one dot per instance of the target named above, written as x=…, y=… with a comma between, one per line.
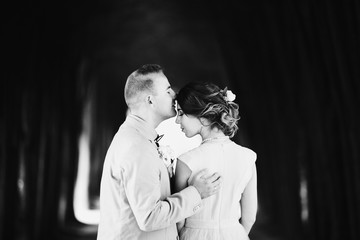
x=142, y=126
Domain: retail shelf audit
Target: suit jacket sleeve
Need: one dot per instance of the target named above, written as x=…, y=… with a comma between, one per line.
x=142, y=183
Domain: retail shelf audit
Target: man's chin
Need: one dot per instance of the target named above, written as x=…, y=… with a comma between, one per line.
x=169, y=115
x=173, y=114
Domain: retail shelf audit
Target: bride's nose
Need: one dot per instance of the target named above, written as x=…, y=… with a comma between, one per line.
x=177, y=120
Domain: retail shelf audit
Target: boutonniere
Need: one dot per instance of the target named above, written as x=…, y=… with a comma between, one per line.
x=168, y=157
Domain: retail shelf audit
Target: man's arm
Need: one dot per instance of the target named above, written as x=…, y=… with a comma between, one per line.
x=142, y=184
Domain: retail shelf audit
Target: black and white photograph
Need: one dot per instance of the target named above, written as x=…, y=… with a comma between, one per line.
x=180, y=120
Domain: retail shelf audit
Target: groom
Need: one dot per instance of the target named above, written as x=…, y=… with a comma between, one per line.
x=135, y=198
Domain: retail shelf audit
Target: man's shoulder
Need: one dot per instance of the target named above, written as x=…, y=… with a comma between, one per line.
x=129, y=146
x=127, y=141
x=129, y=134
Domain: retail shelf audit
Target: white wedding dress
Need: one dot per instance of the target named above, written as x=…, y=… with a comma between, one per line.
x=230, y=213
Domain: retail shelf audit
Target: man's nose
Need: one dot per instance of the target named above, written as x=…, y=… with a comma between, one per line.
x=177, y=120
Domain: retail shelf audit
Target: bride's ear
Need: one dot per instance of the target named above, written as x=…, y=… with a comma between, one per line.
x=204, y=121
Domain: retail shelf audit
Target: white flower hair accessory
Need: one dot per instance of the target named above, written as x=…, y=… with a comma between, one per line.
x=229, y=96
x=168, y=156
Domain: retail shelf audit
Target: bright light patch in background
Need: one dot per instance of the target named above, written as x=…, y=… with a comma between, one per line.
x=81, y=202
x=175, y=138
x=304, y=196
x=172, y=137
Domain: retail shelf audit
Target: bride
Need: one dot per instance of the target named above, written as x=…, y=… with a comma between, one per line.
x=205, y=109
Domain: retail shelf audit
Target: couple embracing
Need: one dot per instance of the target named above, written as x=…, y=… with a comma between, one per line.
x=215, y=184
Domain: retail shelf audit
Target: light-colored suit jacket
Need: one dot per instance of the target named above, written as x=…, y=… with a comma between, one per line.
x=135, y=198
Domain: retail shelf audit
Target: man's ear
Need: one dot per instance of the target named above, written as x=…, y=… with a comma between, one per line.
x=149, y=99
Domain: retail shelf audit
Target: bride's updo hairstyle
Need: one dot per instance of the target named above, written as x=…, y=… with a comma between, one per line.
x=207, y=100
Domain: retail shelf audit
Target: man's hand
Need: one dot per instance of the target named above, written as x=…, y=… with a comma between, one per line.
x=206, y=184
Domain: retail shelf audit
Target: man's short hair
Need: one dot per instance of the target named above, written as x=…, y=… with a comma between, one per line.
x=139, y=82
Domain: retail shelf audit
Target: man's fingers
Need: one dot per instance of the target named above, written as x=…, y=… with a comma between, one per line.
x=213, y=187
x=217, y=184
x=214, y=191
x=214, y=177
x=205, y=173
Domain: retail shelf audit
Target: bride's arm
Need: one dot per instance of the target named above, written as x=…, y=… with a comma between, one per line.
x=182, y=174
x=249, y=202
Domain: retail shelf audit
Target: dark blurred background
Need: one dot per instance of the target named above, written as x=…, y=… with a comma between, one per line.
x=294, y=66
